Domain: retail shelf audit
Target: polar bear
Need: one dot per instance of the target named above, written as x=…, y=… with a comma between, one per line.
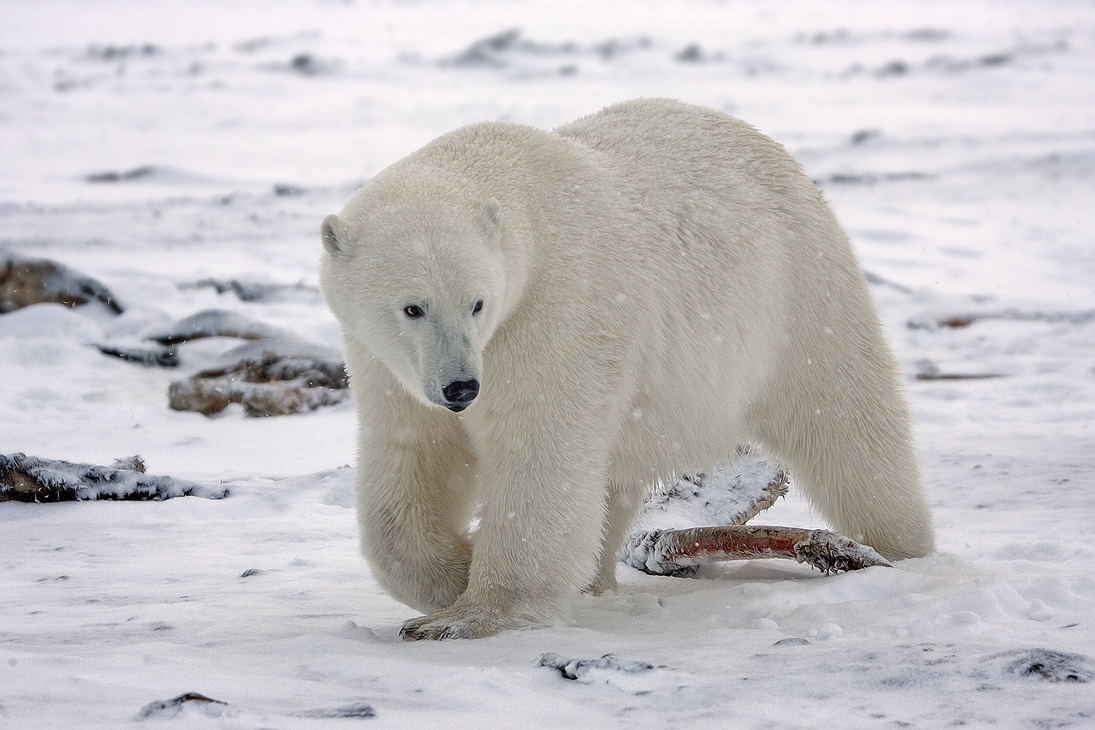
x=539, y=325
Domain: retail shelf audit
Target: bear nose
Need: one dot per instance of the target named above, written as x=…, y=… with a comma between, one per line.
x=460, y=394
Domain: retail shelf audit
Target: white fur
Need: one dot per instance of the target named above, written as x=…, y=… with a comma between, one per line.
x=660, y=283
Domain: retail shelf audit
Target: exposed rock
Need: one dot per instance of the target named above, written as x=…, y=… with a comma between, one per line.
x=1046, y=665
x=164, y=357
x=250, y=291
x=170, y=708
x=215, y=323
x=357, y=710
x=965, y=319
x=113, y=176
x=31, y=479
x=578, y=668
x=25, y=281
x=269, y=385
x=274, y=374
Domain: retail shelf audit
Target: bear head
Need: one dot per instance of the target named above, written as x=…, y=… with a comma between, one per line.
x=419, y=280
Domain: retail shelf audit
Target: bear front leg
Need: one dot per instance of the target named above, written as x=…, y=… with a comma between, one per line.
x=414, y=494
x=538, y=538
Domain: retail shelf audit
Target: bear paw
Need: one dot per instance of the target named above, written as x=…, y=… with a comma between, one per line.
x=469, y=622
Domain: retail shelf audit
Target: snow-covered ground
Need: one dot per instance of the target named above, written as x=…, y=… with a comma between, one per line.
x=956, y=142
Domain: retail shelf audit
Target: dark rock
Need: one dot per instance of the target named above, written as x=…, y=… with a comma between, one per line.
x=172, y=707
x=356, y=710
x=31, y=479
x=113, y=176
x=215, y=323
x=167, y=357
x=576, y=668
x=249, y=291
x=1048, y=665
x=25, y=281
x=272, y=385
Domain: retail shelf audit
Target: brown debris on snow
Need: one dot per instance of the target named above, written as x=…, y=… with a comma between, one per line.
x=31, y=479
x=271, y=385
x=25, y=281
x=274, y=375
x=960, y=321
x=930, y=371
x=958, y=376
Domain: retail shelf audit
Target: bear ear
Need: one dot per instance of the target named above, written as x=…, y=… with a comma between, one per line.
x=492, y=221
x=333, y=232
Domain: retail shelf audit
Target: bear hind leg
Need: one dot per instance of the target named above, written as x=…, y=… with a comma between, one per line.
x=856, y=464
x=623, y=504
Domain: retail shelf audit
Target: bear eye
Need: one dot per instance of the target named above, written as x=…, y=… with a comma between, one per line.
x=478, y=307
x=413, y=311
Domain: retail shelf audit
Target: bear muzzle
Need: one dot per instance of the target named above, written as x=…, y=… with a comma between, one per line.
x=460, y=394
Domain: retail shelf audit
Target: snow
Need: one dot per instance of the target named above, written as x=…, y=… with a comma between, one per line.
x=154, y=146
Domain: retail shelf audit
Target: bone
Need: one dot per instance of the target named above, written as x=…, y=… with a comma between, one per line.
x=679, y=552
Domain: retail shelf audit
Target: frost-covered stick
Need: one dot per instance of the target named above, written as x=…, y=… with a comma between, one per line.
x=768, y=496
x=678, y=552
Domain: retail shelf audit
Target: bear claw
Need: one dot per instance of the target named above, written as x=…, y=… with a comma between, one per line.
x=453, y=623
